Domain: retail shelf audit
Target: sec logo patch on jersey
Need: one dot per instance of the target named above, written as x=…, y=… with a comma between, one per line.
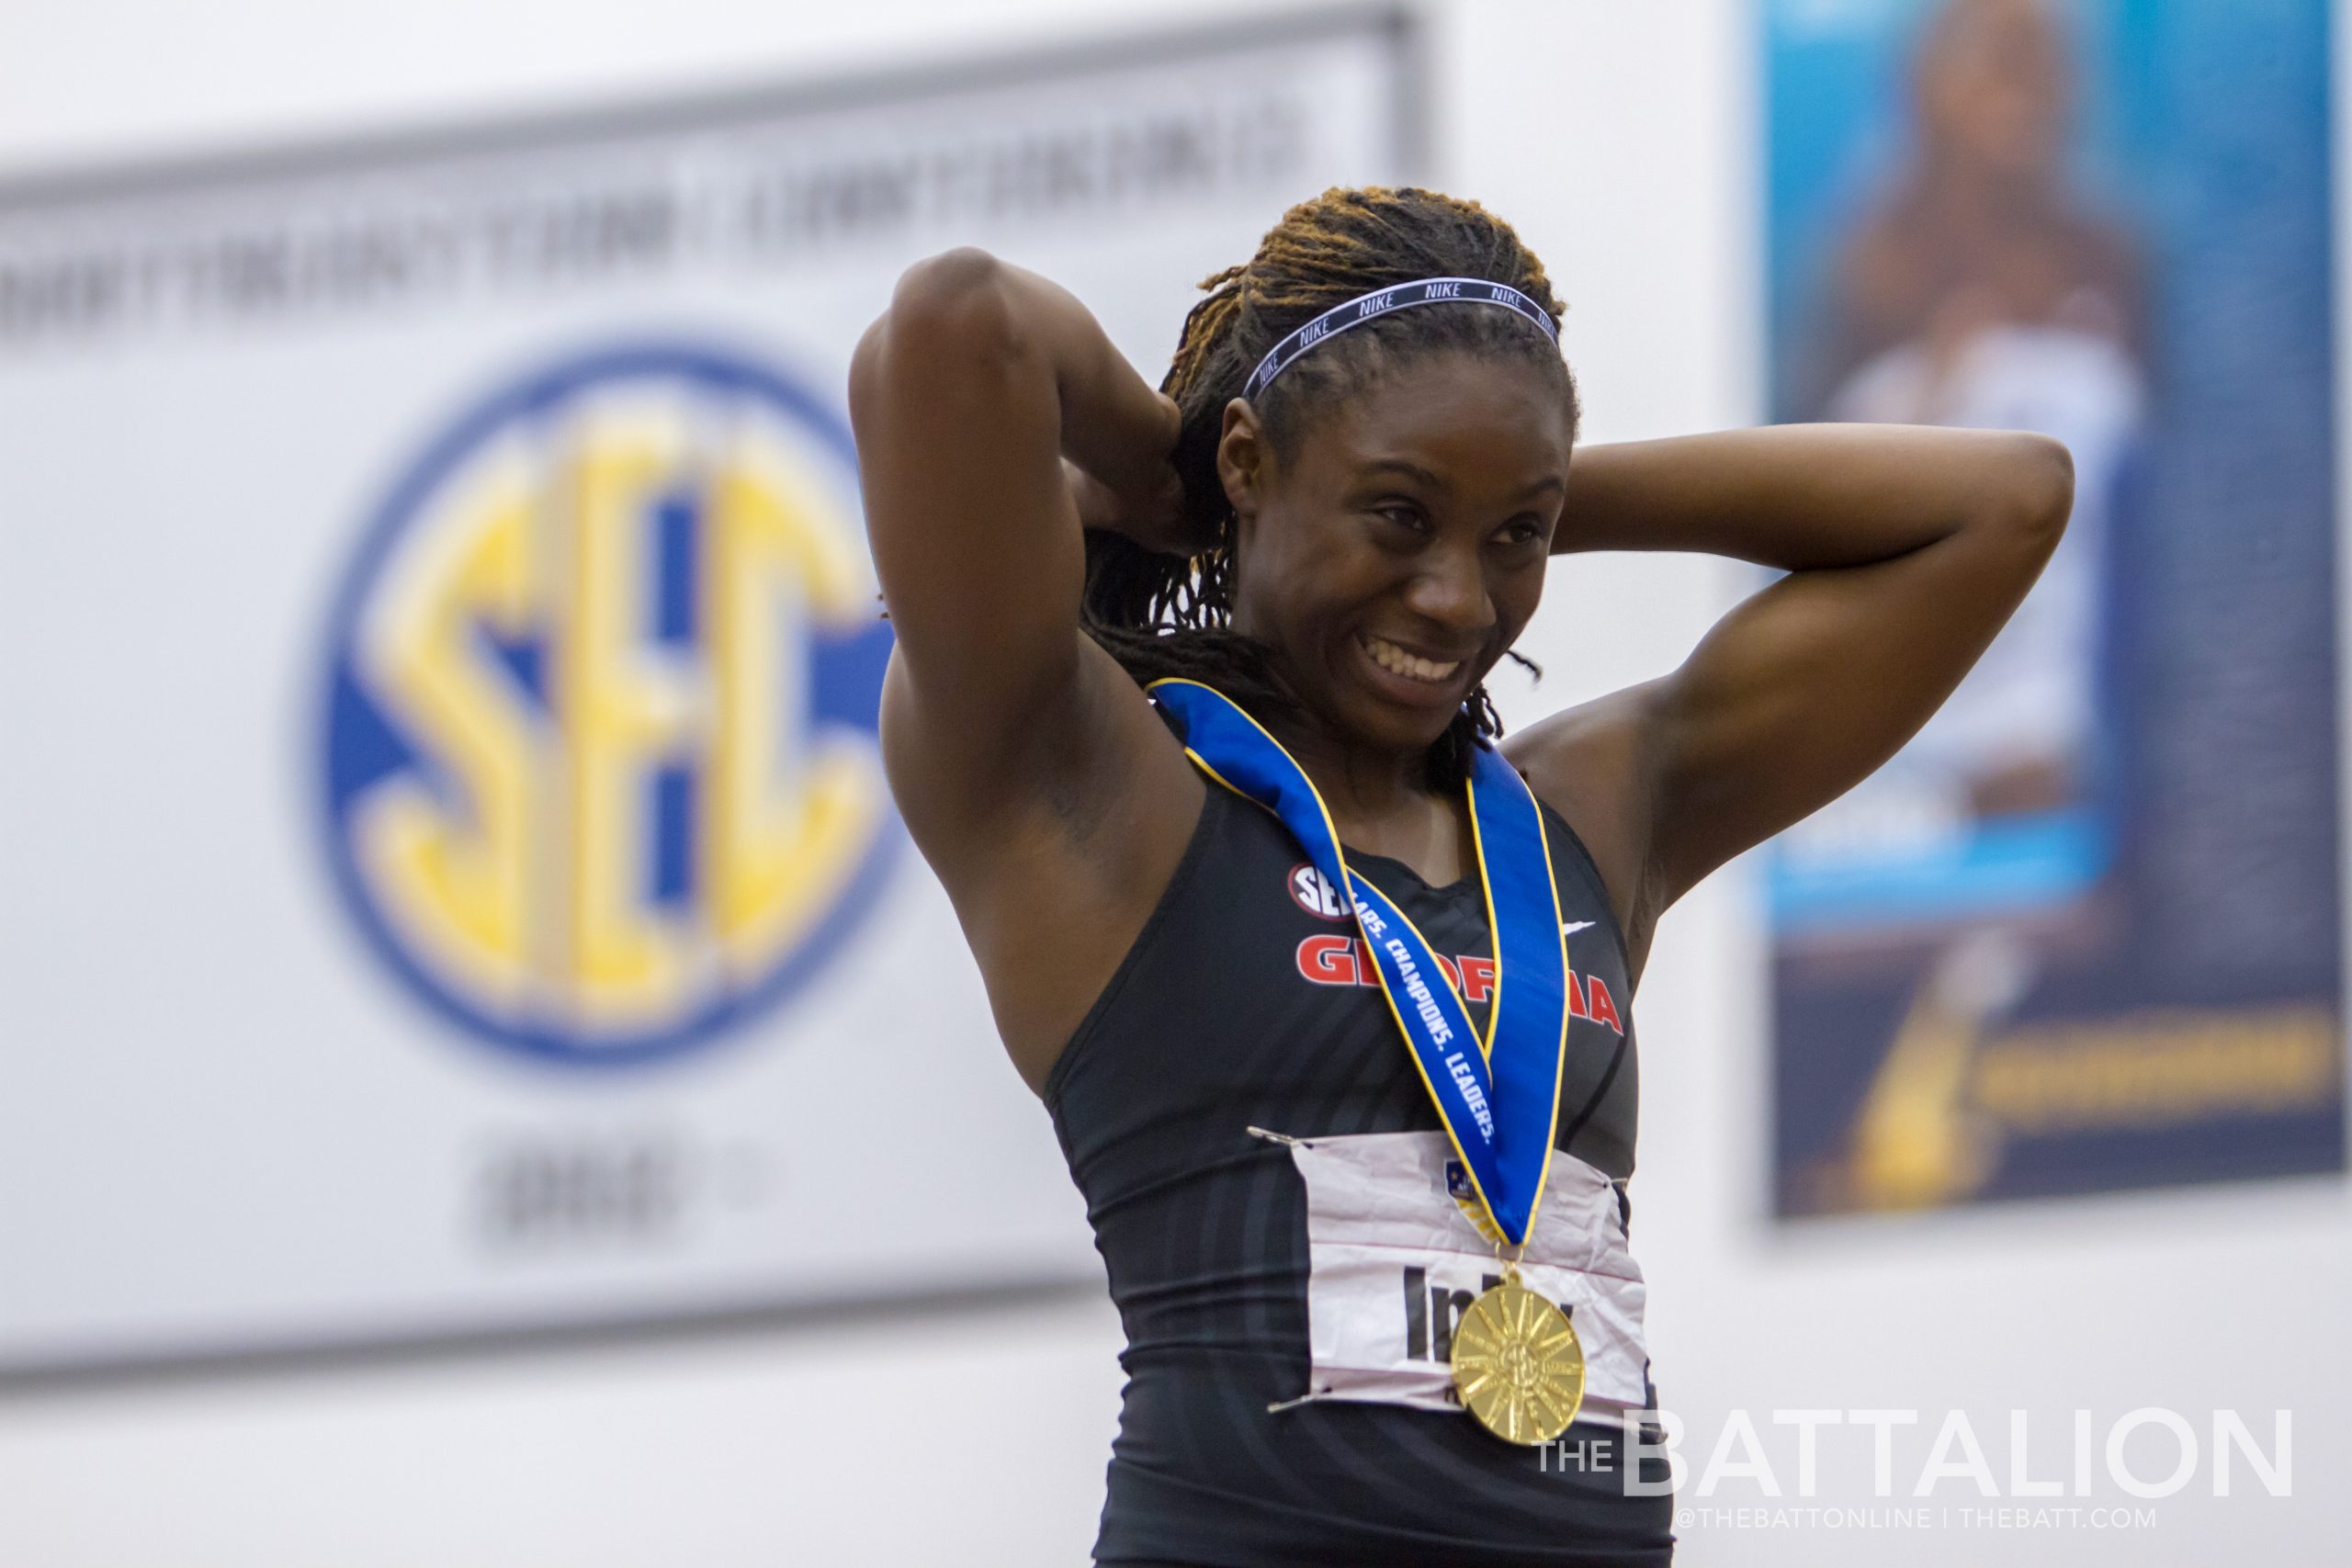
x=602, y=777
x=1313, y=892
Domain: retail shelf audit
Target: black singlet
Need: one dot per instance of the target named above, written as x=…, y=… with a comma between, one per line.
x=1233, y=1009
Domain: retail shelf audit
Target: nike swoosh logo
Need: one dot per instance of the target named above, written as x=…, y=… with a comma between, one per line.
x=1570, y=926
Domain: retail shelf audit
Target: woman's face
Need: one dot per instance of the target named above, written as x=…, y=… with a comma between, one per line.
x=1993, y=86
x=1401, y=551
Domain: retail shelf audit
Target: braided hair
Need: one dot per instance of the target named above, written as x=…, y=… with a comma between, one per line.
x=1161, y=616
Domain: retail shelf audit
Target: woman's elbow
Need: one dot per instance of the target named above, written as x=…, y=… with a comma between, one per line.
x=958, y=297
x=950, y=315
x=2040, y=497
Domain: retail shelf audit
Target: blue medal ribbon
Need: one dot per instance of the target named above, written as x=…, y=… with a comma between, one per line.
x=1498, y=1097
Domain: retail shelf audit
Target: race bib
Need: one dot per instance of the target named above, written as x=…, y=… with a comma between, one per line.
x=1396, y=1256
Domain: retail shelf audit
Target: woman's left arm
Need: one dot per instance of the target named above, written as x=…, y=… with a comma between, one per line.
x=1906, y=549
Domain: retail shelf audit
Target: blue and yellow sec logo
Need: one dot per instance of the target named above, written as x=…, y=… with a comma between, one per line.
x=602, y=777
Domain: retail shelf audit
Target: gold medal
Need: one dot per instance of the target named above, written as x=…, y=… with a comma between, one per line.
x=1518, y=1364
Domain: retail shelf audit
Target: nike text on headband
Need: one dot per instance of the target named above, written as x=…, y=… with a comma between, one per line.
x=1395, y=297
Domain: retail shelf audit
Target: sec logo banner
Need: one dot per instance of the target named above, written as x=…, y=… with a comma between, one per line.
x=602, y=775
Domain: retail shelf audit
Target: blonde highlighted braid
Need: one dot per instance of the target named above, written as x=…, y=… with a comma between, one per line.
x=1161, y=616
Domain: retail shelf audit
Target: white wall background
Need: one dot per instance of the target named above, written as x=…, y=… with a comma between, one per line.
x=1621, y=136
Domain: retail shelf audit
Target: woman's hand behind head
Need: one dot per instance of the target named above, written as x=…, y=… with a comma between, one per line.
x=1145, y=504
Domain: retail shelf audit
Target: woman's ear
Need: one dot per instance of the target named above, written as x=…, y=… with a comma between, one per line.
x=1242, y=460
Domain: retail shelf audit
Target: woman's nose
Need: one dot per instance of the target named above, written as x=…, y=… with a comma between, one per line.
x=1451, y=589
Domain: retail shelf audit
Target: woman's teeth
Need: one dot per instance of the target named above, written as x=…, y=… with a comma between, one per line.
x=1390, y=657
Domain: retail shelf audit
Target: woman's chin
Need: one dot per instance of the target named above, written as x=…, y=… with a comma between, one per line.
x=1381, y=711
x=1393, y=727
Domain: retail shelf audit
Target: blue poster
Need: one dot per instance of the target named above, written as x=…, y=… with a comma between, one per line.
x=2083, y=932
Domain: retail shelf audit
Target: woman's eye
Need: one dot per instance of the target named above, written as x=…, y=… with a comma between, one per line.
x=1403, y=516
x=1523, y=532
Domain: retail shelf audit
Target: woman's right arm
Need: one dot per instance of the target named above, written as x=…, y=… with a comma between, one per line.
x=967, y=395
x=1039, y=783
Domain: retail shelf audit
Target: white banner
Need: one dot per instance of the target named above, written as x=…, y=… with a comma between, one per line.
x=449, y=884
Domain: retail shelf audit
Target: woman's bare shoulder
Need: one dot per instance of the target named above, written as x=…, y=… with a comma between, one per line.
x=1588, y=763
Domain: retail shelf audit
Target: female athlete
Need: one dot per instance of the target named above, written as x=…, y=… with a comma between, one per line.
x=1339, y=523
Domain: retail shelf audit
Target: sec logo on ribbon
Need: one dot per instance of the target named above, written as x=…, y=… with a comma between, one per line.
x=602, y=777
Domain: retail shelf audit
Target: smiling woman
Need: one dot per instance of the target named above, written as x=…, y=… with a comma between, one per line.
x=1327, y=258
x=1325, y=989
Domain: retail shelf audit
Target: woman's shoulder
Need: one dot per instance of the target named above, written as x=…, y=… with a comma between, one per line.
x=1587, y=764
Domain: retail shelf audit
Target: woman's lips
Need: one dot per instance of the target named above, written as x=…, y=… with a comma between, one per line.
x=1410, y=677
x=1411, y=666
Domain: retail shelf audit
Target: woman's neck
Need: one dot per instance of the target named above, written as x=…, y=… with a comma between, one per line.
x=1380, y=802
x=1355, y=779
x=1964, y=197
